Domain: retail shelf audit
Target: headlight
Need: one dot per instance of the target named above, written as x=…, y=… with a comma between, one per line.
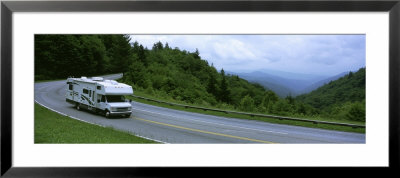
x=113, y=109
x=129, y=109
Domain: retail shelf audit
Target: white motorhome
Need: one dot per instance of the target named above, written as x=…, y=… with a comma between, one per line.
x=99, y=95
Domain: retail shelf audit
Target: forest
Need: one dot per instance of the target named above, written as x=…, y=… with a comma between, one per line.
x=177, y=75
x=61, y=56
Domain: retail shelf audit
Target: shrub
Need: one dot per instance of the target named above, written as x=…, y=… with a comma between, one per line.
x=356, y=112
x=247, y=104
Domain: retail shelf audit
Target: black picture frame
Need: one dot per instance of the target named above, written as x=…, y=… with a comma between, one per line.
x=8, y=7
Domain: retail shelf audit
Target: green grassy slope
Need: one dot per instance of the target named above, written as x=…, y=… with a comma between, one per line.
x=51, y=127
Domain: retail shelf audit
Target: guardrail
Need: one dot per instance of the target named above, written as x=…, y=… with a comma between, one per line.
x=253, y=114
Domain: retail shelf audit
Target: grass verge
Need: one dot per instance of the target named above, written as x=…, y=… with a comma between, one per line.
x=51, y=127
x=270, y=120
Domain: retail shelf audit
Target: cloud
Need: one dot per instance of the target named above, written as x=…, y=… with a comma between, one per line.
x=233, y=49
x=317, y=54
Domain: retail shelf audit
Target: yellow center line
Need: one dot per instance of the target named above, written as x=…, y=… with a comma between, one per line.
x=202, y=131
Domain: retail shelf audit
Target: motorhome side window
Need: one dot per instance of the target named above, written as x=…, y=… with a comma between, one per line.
x=99, y=87
x=85, y=91
x=71, y=87
x=103, y=98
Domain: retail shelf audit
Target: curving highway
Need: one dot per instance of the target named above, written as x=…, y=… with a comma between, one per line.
x=173, y=126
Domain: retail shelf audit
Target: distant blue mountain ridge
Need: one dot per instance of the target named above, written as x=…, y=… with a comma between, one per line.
x=287, y=83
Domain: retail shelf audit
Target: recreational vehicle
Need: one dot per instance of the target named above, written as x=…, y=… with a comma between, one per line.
x=99, y=95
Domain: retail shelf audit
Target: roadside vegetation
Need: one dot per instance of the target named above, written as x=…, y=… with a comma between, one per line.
x=248, y=117
x=51, y=127
x=174, y=75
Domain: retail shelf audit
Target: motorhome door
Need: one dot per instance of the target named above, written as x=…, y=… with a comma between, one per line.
x=101, y=102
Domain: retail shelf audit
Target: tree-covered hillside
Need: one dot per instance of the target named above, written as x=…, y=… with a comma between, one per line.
x=182, y=75
x=348, y=91
x=60, y=56
x=178, y=75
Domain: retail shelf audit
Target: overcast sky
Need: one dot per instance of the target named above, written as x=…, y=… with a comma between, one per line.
x=308, y=54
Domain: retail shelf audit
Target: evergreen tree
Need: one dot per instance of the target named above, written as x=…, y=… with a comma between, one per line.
x=211, y=86
x=196, y=54
x=224, y=91
x=136, y=74
x=350, y=74
x=121, y=53
x=141, y=54
x=157, y=46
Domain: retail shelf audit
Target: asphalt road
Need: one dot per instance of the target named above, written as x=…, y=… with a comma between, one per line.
x=173, y=126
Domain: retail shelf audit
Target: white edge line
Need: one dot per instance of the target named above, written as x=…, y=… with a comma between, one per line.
x=95, y=123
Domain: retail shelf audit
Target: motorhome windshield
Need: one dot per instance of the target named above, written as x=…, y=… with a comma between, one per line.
x=115, y=98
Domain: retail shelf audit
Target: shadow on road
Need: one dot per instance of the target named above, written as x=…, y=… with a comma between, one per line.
x=97, y=113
